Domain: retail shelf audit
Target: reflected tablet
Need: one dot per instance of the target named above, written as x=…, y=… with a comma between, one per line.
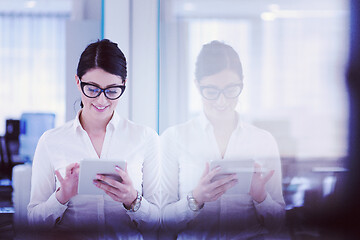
x=244, y=170
x=90, y=167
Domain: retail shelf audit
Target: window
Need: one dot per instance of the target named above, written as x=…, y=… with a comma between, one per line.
x=32, y=58
x=293, y=56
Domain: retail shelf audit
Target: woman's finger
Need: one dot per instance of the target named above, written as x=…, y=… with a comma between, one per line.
x=75, y=172
x=108, y=180
x=120, y=186
x=217, y=195
x=58, y=175
x=105, y=187
x=114, y=196
x=224, y=187
x=267, y=177
x=206, y=170
x=69, y=168
x=257, y=168
x=76, y=168
x=123, y=174
x=212, y=173
x=224, y=180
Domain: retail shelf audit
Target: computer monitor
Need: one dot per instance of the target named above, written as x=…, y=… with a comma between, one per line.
x=32, y=126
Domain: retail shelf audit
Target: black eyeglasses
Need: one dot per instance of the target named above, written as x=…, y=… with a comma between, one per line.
x=93, y=91
x=213, y=93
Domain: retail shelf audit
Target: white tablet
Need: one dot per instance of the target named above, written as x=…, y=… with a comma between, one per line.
x=244, y=170
x=90, y=167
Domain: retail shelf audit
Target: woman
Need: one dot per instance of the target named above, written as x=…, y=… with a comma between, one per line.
x=196, y=206
x=97, y=132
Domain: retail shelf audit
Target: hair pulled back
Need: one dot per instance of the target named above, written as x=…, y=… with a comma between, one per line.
x=215, y=57
x=103, y=54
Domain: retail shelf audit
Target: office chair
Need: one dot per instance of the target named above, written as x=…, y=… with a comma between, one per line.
x=2, y=158
x=12, y=145
x=9, y=147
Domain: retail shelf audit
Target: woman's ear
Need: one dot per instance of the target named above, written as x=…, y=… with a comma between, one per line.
x=77, y=80
x=124, y=81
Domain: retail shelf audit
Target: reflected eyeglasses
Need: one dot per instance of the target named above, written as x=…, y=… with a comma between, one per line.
x=213, y=93
x=93, y=91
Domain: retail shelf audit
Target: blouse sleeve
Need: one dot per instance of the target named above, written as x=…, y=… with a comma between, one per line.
x=175, y=211
x=272, y=210
x=44, y=210
x=147, y=216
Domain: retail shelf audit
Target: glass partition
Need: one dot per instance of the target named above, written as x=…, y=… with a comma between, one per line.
x=293, y=57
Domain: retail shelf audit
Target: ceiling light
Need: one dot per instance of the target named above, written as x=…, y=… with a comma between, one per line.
x=268, y=16
x=30, y=4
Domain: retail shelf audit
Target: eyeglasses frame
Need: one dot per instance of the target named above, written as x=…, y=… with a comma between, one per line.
x=83, y=84
x=221, y=91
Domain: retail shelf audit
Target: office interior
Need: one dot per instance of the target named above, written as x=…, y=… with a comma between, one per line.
x=294, y=56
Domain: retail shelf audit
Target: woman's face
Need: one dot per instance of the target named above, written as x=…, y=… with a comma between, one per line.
x=220, y=104
x=99, y=108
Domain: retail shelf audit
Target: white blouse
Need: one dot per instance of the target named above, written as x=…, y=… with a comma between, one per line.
x=105, y=218
x=185, y=150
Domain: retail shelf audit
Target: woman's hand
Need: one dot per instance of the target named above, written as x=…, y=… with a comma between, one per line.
x=123, y=191
x=257, y=189
x=69, y=184
x=208, y=191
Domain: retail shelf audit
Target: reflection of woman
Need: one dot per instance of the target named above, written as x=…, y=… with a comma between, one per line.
x=97, y=132
x=196, y=207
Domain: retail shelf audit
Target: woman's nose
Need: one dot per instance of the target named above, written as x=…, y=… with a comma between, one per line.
x=221, y=99
x=101, y=99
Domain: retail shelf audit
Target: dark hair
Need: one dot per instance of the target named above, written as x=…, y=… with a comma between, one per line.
x=215, y=57
x=102, y=54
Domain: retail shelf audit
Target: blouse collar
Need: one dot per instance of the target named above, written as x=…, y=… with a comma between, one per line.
x=206, y=124
x=113, y=124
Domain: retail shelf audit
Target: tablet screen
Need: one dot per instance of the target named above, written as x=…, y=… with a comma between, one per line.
x=88, y=170
x=244, y=170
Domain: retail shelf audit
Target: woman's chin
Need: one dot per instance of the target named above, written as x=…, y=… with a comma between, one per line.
x=220, y=113
x=101, y=113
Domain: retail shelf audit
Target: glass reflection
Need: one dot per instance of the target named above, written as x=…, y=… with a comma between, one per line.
x=221, y=175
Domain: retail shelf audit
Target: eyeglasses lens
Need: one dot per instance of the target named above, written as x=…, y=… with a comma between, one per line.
x=111, y=93
x=212, y=93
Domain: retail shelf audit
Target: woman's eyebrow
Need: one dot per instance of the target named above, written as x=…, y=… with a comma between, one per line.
x=97, y=85
x=209, y=85
x=92, y=83
x=113, y=85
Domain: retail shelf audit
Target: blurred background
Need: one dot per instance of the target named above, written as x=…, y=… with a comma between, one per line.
x=294, y=56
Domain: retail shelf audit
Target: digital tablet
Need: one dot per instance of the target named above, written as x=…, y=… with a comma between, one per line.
x=244, y=170
x=90, y=167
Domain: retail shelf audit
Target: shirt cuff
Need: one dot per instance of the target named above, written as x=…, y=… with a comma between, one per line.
x=145, y=212
x=189, y=214
x=177, y=215
x=264, y=205
x=56, y=208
